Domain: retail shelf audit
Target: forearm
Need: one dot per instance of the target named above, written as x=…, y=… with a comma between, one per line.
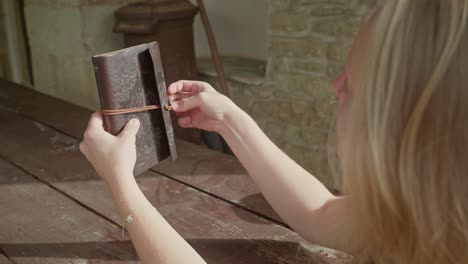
x=154, y=239
x=292, y=191
x=298, y=197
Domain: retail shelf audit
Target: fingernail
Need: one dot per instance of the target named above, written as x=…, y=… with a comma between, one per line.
x=174, y=105
x=134, y=121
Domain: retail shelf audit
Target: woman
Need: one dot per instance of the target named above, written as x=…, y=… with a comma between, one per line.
x=403, y=147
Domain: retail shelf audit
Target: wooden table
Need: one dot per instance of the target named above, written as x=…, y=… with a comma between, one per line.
x=56, y=210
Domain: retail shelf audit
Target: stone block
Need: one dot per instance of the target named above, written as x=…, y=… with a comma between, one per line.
x=264, y=92
x=265, y=110
x=326, y=107
x=321, y=8
x=339, y=51
x=293, y=96
x=313, y=67
x=312, y=47
x=276, y=132
x=302, y=136
x=287, y=24
x=318, y=88
x=305, y=85
x=334, y=68
x=337, y=27
x=281, y=5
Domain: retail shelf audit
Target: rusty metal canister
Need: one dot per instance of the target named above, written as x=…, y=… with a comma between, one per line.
x=170, y=23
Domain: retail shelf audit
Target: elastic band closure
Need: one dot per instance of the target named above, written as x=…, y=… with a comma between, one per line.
x=111, y=112
x=172, y=98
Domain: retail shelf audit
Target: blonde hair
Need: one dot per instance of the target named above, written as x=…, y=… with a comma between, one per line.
x=405, y=159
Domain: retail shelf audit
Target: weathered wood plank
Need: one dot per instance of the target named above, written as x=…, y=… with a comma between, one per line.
x=218, y=174
x=4, y=259
x=64, y=116
x=35, y=215
x=221, y=232
x=213, y=172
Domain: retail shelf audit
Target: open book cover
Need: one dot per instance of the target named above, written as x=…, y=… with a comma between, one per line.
x=131, y=78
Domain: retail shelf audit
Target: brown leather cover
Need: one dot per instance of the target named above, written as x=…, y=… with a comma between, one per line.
x=133, y=77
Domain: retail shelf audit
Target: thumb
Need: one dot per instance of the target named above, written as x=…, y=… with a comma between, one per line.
x=131, y=129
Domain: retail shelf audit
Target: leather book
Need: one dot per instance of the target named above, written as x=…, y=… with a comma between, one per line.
x=132, y=78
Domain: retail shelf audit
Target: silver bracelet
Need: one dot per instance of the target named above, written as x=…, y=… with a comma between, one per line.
x=126, y=220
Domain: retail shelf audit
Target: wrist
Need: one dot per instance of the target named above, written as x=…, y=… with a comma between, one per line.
x=121, y=181
x=126, y=195
x=231, y=118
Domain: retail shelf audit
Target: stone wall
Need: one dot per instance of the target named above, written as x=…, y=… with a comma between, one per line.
x=308, y=44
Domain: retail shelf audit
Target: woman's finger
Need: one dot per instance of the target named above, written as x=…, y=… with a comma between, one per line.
x=131, y=129
x=96, y=122
x=95, y=128
x=189, y=103
x=180, y=114
x=183, y=86
x=192, y=87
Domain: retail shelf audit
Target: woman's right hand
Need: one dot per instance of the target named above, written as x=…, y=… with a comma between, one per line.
x=205, y=108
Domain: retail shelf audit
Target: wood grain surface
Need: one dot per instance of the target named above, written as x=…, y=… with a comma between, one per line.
x=206, y=196
x=215, y=173
x=40, y=225
x=4, y=259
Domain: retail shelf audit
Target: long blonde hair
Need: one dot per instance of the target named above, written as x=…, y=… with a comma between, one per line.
x=405, y=160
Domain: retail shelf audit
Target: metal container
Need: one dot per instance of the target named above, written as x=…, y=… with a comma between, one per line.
x=170, y=23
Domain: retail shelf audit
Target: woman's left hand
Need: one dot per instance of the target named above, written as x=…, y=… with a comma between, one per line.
x=113, y=157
